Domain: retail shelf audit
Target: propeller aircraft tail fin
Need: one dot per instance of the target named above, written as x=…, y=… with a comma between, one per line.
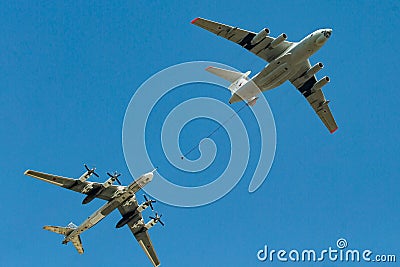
x=66, y=231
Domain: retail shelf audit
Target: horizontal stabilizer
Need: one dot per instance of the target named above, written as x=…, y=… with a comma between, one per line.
x=228, y=75
x=77, y=244
x=59, y=230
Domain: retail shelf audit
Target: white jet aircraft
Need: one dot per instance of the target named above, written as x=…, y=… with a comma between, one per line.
x=121, y=197
x=287, y=61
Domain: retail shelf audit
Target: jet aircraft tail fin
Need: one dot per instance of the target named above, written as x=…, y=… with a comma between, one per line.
x=66, y=231
x=236, y=78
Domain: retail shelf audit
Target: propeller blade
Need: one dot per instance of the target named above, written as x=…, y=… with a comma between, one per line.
x=149, y=201
x=115, y=177
x=157, y=218
x=91, y=171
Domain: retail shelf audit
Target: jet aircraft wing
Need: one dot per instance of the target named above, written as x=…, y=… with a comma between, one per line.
x=244, y=38
x=75, y=184
x=316, y=99
x=136, y=225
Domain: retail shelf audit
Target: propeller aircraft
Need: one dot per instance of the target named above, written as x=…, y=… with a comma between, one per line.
x=118, y=197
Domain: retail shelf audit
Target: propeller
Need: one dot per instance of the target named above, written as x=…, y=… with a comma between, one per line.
x=115, y=177
x=91, y=171
x=149, y=202
x=157, y=219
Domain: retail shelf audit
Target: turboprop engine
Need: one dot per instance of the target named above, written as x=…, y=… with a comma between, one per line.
x=94, y=192
x=127, y=217
x=112, y=179
x=154, y=221
x=88, y=173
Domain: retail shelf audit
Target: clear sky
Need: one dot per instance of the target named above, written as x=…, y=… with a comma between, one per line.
x=68, y=71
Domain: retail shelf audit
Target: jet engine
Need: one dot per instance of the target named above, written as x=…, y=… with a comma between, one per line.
x=305, y=77
x=317, y=67
x=318, y=85
x=278, y=40
x=260, y=36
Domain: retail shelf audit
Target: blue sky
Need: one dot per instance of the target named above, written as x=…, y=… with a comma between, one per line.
x=69, y=70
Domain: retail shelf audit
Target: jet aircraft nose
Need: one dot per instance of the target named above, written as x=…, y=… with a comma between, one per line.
x=327, y=33
x=322, y=36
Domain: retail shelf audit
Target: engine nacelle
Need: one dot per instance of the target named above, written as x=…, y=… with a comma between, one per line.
x=150, y=224
x=318, y=85
x=302, y=79
x=260, y=36
x=317, y=67
x=84, y=177
x=280, y=39
x=142, y=207
x=109, y=182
